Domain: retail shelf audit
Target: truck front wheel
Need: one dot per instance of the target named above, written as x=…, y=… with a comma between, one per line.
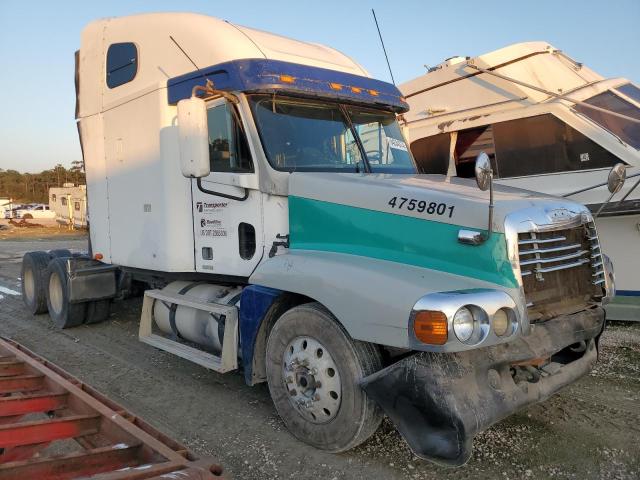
x=313, y=370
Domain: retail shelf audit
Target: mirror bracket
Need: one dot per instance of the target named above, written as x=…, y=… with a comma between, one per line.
x=484, y=180
x=615, y=181
x=209, y=90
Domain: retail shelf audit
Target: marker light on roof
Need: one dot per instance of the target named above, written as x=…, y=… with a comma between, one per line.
x=287, y=79
x=335, y=86
x=356, y=89
x=373, y=93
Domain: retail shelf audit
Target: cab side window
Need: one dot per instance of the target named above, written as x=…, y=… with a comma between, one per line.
x=228, y=148
x=122, y=64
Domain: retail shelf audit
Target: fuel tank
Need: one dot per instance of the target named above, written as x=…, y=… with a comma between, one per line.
x=197, y=326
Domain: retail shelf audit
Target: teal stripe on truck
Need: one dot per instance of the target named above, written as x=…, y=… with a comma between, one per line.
x=332, y=227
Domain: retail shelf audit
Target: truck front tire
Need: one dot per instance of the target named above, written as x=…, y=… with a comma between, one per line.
x=63, y=313
x=313, y=370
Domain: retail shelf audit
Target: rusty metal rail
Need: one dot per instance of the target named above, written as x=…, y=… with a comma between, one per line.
x=54, y=427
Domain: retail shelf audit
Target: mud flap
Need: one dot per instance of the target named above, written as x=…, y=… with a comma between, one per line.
x=439, y=401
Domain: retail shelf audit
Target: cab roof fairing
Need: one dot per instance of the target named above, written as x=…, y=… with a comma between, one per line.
x=263, y=76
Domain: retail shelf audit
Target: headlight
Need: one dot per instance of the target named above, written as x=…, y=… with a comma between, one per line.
x=463, y=324
x=501, y=323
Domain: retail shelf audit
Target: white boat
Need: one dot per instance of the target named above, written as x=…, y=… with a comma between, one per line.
x=549, y=124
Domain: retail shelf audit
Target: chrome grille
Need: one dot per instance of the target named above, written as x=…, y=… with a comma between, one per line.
x=561, y=270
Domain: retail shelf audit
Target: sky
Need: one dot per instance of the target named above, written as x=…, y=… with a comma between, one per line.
x=38, y=40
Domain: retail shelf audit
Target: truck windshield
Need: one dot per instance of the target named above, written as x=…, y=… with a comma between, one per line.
x=311, y=136
x=627, y=130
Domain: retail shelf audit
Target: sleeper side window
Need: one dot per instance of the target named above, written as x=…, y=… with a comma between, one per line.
x=228, y=148
x=122, y=64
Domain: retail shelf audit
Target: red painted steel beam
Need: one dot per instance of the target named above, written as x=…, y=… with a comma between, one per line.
x=21, y=383
x=22, y=452
x=75, y=465
x=160, y=454
x=9, y=368
x=37, y=402
x=28, y=433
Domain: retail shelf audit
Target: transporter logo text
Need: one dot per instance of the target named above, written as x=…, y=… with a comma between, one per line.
x=204, y=207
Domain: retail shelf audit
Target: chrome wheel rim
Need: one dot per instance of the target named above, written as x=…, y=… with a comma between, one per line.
x=312, y=380
x=55, y=293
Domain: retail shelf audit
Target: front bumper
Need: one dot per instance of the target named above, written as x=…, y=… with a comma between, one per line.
x=439, y=401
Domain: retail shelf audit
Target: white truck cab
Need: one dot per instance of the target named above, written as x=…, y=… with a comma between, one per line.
x=261, y=191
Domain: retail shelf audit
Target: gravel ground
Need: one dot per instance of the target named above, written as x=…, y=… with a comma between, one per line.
x=589, y=430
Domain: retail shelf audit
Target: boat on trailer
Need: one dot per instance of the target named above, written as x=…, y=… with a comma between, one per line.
x=549, y=124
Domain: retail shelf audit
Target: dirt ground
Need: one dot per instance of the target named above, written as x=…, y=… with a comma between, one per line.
x=37, y=229
x=589, y=430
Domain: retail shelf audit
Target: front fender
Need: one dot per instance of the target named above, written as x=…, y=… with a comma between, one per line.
x=371, y=298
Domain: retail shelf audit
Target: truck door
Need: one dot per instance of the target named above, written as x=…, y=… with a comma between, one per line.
x=227, y=204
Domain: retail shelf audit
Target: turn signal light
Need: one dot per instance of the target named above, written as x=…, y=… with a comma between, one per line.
x=98, y=256
x=431, y=327
x=287, y=79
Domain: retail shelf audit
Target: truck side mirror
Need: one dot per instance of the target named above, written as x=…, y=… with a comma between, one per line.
x=615, y=181
x=617, y=176
x=484, y=174
x=194, y=137
x=484, y=179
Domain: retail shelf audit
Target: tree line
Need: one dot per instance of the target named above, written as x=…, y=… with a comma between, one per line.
x=34, y=187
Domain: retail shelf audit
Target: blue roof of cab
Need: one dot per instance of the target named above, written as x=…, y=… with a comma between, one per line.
x=263, y=76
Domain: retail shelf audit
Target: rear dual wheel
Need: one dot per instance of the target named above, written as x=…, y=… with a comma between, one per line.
x=34, y=280
x=63, y=313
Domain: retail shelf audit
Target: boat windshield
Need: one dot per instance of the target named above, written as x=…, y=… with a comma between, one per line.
x=313, y=136
x=627, y=130
x=630, y=90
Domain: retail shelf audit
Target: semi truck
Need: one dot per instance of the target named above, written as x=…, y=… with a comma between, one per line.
x=260, y=192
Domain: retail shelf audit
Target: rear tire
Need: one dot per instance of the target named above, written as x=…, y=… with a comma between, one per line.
x=335, y=414
x=34, y=281
x=60, y=252
x=98, y=311
x=63, y=313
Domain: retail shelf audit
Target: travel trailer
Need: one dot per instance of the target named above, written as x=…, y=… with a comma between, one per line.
x=549, y=124
x=69, y=203
x=6, y=204
x=260, y=189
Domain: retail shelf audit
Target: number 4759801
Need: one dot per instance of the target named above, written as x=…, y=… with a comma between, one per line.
x=421, y=206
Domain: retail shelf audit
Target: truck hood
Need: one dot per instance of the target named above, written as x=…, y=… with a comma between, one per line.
x=414, y=219
x=458, y=201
